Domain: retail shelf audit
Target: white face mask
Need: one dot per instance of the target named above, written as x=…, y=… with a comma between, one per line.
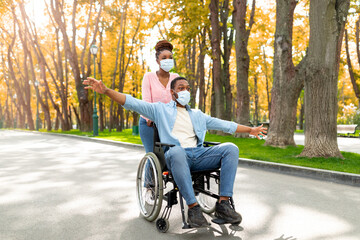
x=167, y=64
x=183, y=97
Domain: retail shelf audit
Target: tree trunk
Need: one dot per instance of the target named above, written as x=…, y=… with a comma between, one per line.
x=123, y=15
x=201, y=70
x=242, y=61
x=78, y=121
x=25, y=86
x=217, y=103
x=288, y=80
x=327, y=23
x=101, y=99
x=225, y=70
x=193, y=79
x=357, y=36
x=46, y=110
x=71, y=54
x=267, y=84
x=350, y=68
x=301, y=117
x=256, y=98
x=123, y=65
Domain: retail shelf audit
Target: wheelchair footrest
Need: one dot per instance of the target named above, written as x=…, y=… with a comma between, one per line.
x=186, y=226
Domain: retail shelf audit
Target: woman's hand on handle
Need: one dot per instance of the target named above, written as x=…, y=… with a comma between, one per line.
x=149, y=123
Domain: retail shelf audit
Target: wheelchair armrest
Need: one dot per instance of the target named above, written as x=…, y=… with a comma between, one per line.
x=159, y=144
x=208, y=144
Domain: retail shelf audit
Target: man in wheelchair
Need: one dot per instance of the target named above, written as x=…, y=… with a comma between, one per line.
x=185, y=128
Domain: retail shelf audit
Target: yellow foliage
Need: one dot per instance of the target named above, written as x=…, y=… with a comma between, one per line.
x=181, y=22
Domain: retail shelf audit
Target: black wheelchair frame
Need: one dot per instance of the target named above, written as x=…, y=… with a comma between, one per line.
x=154, y=163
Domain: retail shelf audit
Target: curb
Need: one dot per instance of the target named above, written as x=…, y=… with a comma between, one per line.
x=314, y=173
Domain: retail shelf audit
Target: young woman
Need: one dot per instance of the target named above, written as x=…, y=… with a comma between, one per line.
x=156, y=88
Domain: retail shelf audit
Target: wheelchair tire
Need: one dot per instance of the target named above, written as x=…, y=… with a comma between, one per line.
x=162, y=225
x=206, y=202
x=149, y=186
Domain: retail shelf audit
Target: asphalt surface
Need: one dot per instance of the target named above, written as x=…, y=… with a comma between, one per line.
x=53, y=187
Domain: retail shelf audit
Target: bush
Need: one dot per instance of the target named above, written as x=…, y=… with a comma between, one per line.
x=356, y=117
x=350, y=115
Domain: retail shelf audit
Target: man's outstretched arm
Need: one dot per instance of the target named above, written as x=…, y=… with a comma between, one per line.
x=213, y=123
x=256, y=131
x=99, y=87
x=128, y=102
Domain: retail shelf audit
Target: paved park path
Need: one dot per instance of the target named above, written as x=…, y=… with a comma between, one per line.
x=346, y=144
x=58, y=188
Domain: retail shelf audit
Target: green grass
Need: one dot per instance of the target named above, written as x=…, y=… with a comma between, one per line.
x=253, y=149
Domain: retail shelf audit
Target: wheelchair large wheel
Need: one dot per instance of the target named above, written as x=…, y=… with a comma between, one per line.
x=206, y=202
x=149, y=186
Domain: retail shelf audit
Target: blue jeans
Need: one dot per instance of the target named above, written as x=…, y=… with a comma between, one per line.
x=146, y=135
x=147, y=138
x=183, y=160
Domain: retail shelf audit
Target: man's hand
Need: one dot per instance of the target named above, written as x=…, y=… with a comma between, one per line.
x=256, y=131
x=99, y=86
x=96, y=85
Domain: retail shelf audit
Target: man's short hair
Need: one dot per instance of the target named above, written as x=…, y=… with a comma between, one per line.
x=173, y=82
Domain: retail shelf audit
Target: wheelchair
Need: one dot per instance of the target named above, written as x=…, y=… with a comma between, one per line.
x=155, y=185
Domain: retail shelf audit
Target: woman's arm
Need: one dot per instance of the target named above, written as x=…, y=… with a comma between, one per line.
x=146, y=88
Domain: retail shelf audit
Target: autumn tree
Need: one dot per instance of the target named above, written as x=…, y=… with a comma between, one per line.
x=72, y=53
x=353, y=73
x=242, y=33
x=288, y=79
x=221, y=44
x=327, y=24
x=190, y=35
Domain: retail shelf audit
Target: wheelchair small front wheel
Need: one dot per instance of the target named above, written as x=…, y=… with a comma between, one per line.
x=162, y=225
x=149, y=186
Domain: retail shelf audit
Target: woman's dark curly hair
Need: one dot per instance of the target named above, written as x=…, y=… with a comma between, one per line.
x=161, y=46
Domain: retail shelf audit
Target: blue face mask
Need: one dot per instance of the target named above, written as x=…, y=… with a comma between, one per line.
x=183, y=97
x=167, y=64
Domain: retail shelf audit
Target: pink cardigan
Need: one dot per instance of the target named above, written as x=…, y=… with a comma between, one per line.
x=153, y=90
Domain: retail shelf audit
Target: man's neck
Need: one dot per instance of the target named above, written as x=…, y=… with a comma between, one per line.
x=179, y=105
